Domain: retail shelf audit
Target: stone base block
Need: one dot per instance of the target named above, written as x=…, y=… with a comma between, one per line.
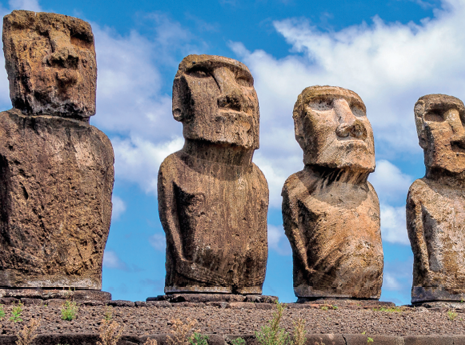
x=205, y=298
x=250, y=290
x=441, y=304
x=422, y=294
x=346, y=302
x=47, y=294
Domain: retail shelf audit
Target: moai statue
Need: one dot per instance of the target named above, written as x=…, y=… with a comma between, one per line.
x=330, y=210
x=56, y=170
x=212, y=199
x=436, y=202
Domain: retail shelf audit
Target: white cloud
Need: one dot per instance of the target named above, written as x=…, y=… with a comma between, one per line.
x=393, y=224
x=119, y=207
x=278, y=241
x=389, y=64
x=111, y=260
x=137, y=160
x=389, y=182
x=30, y=5
x=391, y=283
x=158, y=241
x=130, y=102
x=129, y=97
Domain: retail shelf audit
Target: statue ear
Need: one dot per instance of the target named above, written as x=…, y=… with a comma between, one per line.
x=422, y=140
x=179, y=96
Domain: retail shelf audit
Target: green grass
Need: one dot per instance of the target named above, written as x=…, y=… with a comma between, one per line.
x=389, y=310
x=69, y=311
x=16, y=313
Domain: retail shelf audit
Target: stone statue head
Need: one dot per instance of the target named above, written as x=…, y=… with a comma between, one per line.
x=333, y=130
x=215, y=100
x=51, y=65
x=439, y=120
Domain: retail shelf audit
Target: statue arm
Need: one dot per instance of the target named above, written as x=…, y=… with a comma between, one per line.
x=415, y=229
x=167, y=209
x=292, y=228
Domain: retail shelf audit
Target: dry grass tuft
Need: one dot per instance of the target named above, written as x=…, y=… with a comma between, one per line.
x=182, y=332
x=300, y=332
x=27, y=335
x=151, y=341
x=110, y=332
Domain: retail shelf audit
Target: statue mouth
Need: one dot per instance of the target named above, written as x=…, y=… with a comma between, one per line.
x=351, y=141
x=235, y=114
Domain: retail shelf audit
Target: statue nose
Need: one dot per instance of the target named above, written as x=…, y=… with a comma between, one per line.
x=231, y=100
x=349, y=125
x=231, y=95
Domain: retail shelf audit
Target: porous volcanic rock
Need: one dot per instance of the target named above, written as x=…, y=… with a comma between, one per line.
x=330, y=210
x=56, y=170
x=435, y=203
x=212, y=199
x=51, y=64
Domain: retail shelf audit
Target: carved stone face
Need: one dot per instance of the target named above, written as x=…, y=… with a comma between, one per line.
x=332, y=128
x=51, y=65
x=214, y=98
x=440, y=126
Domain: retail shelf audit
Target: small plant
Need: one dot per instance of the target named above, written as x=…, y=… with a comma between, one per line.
x=198, y=339
x=369, y=340
x=16, y=313
x=110, y=333
x=324, y=307
x=299, y=332
x=182, y=333
x=27, y=335
x=273, y=334
x=335, y=307
x=389, y=310
x=238, y=341
x=108, y=312
x=69, y=310
x=451, y=315
x=2, y=312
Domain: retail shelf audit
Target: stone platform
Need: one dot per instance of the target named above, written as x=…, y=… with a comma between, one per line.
x=344, y=302
x=204, y=298
x=31, y=296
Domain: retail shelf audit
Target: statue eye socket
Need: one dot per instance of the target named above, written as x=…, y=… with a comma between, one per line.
x=321, y=104
x=244, y=81
x=434, y=116
x=357, y=111
x=198, y=73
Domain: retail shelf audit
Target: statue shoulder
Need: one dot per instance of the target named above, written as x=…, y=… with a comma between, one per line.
x=293, y=183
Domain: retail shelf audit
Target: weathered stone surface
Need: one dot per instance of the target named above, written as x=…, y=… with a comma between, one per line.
x=326, y=339
x=435, y=203
x=261, y=299
x=56, y=170
x=356, y=339
x=121, y=303
x=160, y=304
x=199, y=298
x=51, y=65
x=56, y=180
x=343, y=302
x=81, y=295
x=212, y=199
x=330, y=211
x=432, y=340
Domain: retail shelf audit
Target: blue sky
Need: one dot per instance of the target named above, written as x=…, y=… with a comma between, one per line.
x=389, y=52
